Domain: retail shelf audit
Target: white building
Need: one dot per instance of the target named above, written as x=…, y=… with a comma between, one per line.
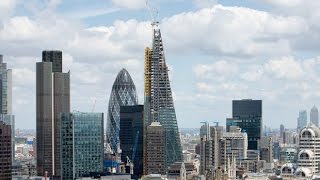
x=309, y=150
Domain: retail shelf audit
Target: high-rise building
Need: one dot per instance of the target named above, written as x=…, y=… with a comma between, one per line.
x=5, y=151
x=247, y=114
x=53, y=98
x=309, y=149
x=314, y=116
x=265, y=147
x=123, y=94
x=205, y=149
x=281, y=131
x=302, y=120
x=81, y=144
x=131, y=136
x=159, y=106
x=155, y=156
x=6, y=100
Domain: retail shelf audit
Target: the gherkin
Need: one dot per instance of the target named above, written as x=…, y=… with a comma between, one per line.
x=123, y=94
x=159, y=106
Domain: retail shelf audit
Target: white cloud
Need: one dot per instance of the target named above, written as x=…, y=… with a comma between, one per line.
x=204, y=3
x=6, y=7
x=130, y=4
x=285, y=68
x=233, y=31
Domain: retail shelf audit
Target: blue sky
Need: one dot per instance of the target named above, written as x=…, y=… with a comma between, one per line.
x=216, y=50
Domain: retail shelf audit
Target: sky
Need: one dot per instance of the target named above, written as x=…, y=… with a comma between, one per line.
x=216, y=51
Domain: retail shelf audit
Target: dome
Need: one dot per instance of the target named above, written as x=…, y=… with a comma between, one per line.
x=309, y=131
x=123, y=93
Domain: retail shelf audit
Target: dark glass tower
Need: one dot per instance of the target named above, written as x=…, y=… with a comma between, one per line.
x=247, y=114
x=123, y=94
x=52, y=98
x=131, y=136
x=159, y=105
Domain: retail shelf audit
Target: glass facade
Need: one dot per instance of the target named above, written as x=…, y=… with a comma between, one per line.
x=81, y=144
x=123, y=94
x=131, y=136
x=247, y=114
x=159, y=106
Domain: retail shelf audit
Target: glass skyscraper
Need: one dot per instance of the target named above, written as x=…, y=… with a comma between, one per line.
x=81, y=144
x=302, y=120
x=123, y=94
x=159, y=106
x=247, y=114
x=131, y=136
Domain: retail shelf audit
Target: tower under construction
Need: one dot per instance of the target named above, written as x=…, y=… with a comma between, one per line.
x=159, y=105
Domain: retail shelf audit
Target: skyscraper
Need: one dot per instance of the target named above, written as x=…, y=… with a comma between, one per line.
x=155, y=147
x=314, y=116
x=81, y=144
x=6, y=101
x=159, y=106
x=53, y=98
x=281, y=130
x=131, y=136
x=247, y=114
x=302, y=120
x=5, y=151
x=123, y=94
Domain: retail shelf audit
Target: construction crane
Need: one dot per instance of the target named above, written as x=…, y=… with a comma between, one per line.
x=130, y=163
x=217, y=123
x=154, y=14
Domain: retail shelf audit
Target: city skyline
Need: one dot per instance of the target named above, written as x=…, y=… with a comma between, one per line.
x=210, y=75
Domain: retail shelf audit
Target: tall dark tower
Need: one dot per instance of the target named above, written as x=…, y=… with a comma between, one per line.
x=159, y=106
x=247, y=114
x=52, y=99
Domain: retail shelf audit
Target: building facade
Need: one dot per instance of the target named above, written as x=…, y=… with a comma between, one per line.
x=302, y=120
x=309, y=148
x=131, y=136
x=5, y=151
x=247, y=114
x=123, y=94
x=159, y=106
x=155, y=147
x=6, y=101
x=266, y=150
x=52, y=98
x=314, y=116
x=81, y=144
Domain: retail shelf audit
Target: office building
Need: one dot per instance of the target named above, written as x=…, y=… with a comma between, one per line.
x=155, y=148
x=302, y=120
x=131, y=136
x=314, y=116
x=309, y=149
x=6, y=101
x=266, y=148
x=52, y=98
x=123, y=93
x=81, y=144
x=247, y=114
x=159, y=105
x=235, y=145
x=5, y=151
x=205, y=150
x=281, y=131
